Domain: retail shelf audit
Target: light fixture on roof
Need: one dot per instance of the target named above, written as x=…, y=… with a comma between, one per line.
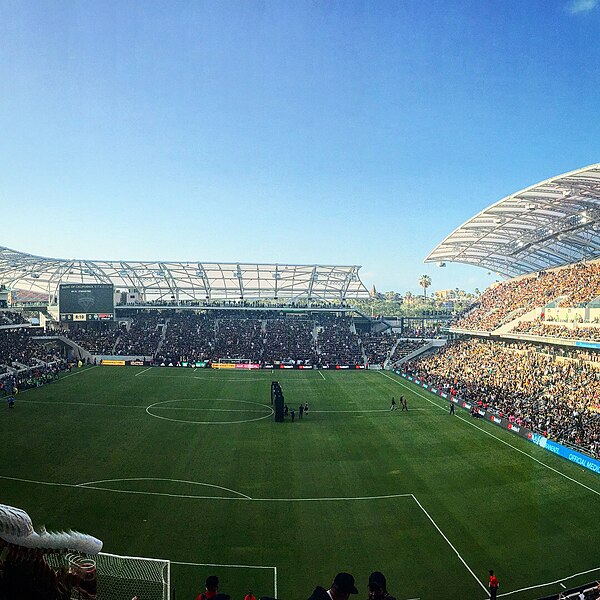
x=441, y=263
x=530, y=206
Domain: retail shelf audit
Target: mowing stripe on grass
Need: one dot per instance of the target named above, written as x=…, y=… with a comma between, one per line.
x=399, y=382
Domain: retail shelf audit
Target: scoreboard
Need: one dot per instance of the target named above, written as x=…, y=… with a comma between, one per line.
x=86, y=301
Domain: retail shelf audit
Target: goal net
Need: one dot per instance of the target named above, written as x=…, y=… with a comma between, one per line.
x=112, y=577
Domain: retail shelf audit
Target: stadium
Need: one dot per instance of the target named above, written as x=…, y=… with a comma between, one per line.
x=235, y=419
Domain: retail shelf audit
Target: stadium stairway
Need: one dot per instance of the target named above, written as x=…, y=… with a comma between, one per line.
x=162, y=336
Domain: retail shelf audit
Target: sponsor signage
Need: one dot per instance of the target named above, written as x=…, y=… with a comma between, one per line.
x=247, y=366
x=112, y=362
x=137, y=363
x=223, y=365
x=573, y=455
x=305, y=367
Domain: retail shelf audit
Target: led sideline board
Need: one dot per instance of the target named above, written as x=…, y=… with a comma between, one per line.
x=86, y=301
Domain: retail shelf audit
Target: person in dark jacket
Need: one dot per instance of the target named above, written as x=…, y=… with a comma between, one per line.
x=341, y=588
x=378, y=587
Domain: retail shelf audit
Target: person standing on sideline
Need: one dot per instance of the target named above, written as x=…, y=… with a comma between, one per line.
x=293, y=414
x=250, y=596
x=403, y=403
x=393, y=406
x=494, y=585
x=300, y=411
x=451, y=408
x=341, y=588
x=306, y=408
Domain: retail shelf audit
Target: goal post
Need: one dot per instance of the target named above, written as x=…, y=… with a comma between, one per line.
x=121, y=577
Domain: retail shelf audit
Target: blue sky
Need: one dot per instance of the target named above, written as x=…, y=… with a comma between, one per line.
x=302, y=132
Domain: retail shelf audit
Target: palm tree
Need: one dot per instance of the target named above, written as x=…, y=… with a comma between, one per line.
x=425, y=282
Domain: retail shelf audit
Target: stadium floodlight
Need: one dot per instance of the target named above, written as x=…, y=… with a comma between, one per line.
x=441, y=264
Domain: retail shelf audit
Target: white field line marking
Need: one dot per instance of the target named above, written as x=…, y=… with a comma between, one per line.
x=142, y=371
x=462, y=560
x=211, y=485
x=275, y=581
x=323, y=376
x=559, y=581
x=562, y=585
x=399, y=382
x=242, y=498
x=191, y=564
x=264, y=415
x=89, y=486
x=371, y=410
x=332, y=499
x=142, y=406
x=78, y=372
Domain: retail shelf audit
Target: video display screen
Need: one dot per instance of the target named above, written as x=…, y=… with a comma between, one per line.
x=86, y=301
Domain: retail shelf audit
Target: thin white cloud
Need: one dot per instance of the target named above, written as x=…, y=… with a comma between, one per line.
x=581, y=6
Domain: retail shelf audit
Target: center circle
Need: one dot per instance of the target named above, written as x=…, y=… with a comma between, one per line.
x=158, y=405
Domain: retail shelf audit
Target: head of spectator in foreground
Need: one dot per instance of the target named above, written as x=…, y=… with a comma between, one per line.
x=377, y=585
x=212, y=583
x=343, y=586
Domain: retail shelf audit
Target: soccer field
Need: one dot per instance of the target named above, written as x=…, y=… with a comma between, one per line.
x=190, y=466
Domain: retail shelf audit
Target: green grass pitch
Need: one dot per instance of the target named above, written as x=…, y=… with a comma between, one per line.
x=205, y=475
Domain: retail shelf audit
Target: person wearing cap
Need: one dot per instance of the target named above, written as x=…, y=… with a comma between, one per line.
x=341, y=588
x=378, y=587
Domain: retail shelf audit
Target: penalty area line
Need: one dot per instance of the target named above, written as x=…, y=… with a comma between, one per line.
x=462, y=560
x=559, y=581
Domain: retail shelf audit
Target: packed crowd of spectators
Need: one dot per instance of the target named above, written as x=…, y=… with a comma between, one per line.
x=189, y=336
x=377, y=347
x=404, y=348
x=143, y=336
x=289, y=340
x=94, y=340
x=570, y=286
x=238, y=338
x=18, y=346
x=559, y=398
x=542, y=328
x=338, y=344
x=12, y=318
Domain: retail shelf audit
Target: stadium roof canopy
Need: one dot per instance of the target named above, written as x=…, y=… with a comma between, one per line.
x=550, y=224
x=185, y=280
